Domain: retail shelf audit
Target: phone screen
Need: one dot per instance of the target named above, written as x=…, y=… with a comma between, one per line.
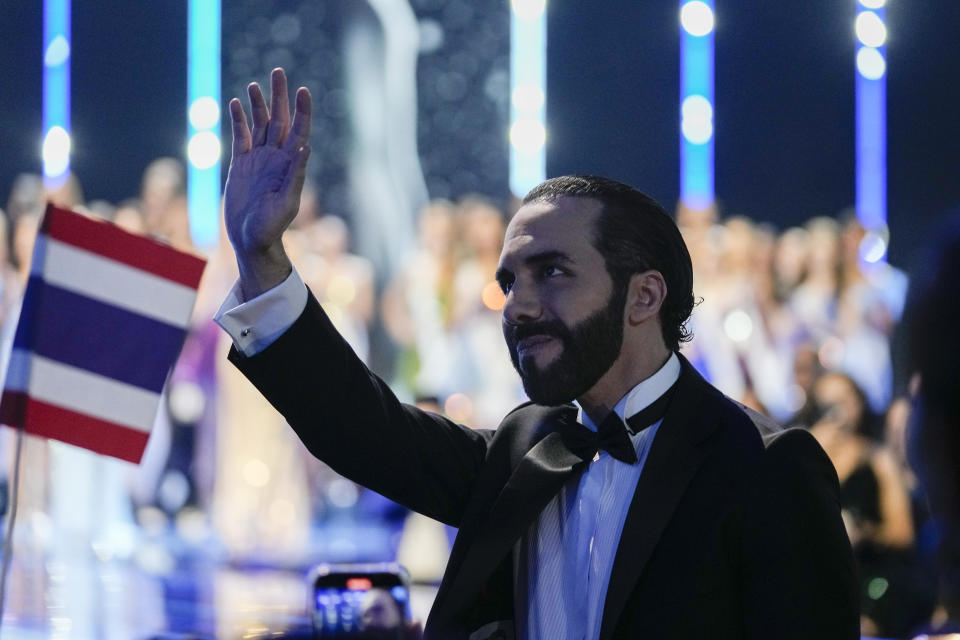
x=361, y=601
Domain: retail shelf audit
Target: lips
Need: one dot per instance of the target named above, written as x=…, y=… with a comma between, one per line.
x=533, y=343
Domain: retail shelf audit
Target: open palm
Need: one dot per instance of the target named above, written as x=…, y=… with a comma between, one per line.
x=267, y=170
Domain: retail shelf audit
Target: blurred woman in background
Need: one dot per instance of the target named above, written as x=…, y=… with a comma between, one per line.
x=875, y=505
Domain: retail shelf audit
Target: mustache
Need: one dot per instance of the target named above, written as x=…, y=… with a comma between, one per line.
x=553, y=328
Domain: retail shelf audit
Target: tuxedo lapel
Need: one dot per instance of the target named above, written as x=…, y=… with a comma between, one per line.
x=671, y=464
x=537, y=478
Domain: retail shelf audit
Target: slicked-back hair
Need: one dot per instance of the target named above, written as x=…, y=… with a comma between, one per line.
x=634, y=234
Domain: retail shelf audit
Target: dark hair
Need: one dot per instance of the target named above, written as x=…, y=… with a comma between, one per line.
x=634, y=234
x=870, y=423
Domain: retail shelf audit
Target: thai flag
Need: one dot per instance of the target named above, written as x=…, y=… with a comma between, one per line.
x=104, y=317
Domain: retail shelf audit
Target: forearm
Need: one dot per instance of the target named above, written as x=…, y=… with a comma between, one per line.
x=896, y=524
x=349, y=418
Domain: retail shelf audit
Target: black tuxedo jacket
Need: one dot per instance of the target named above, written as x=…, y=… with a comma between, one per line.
x=734, y=530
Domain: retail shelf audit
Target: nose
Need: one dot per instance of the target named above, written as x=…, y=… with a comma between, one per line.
x=522, y=305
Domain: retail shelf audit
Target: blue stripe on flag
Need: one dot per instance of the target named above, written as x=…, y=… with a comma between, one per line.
x=97, y=337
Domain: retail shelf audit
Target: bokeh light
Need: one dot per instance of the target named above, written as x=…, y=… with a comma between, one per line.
x=492, y=296
x=830, y=353
x=738, y=325
x=871, y=63
x=459, y=407
x=342, y=494
x=877, y=587
x=871, y=31
x=57, y=52
x=341, y=290
x=528, y=135
x=528, y=9
x=696, y=18
x=204, y=113
x=256, y=473
x=56, y=152
x=528, y=97
x=873, y=247
x=203, y=150
x=696, y=121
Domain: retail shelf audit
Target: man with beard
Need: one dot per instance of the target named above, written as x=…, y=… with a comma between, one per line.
x=652, y=509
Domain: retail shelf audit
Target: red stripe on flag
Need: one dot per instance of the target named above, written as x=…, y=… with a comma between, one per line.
x=110, y=241
x=80, y=429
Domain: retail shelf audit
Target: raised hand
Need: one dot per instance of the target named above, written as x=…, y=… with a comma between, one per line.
x=267, y=170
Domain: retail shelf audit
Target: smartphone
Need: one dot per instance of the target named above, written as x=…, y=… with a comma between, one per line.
x=360, y=601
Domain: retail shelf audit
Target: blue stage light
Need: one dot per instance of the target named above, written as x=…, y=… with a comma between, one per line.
x=528, y=81
x=56, y=91
x=871, y=129
x=696, y=100
x=203, y=131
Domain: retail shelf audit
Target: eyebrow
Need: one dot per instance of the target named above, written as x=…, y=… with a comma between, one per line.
x=535, y=259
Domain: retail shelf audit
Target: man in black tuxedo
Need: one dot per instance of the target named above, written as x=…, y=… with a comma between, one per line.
x=656, y=508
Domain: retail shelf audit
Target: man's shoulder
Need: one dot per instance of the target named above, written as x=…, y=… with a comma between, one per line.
x=766, y=426
x=732, y=423
x=719, y=414
x=774, y=458
x=534, y=421
x=525, y=425
x=780, y=445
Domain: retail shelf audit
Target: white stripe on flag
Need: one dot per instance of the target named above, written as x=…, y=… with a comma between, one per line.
x=18, y=371
x=81, y=391
x=115, y=283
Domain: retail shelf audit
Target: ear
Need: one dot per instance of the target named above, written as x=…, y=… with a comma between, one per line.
x=645, y=295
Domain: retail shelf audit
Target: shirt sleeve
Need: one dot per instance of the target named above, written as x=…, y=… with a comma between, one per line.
x=254, y=324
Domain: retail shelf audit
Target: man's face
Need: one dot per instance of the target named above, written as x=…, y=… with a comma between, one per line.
x=562, y=321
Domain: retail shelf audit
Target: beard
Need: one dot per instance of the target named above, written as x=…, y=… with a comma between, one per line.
x=589, y=349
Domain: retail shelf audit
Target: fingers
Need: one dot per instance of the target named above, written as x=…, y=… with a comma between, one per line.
x=300, y=131
x=279, y=109
x=296, y=174
x=272, y=125
x=258, y=110
x=241, y=132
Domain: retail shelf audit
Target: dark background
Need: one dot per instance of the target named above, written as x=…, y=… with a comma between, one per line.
x=784, y=112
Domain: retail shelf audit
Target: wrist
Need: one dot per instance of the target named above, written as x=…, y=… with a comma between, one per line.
x=262, y=270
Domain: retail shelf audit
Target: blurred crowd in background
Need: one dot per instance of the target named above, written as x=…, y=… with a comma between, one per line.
x=795, y=323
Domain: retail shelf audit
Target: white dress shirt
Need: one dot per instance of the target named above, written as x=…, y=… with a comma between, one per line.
x=253, y=325
x=569, y=550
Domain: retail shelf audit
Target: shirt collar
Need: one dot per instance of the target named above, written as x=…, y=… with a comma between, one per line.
x=642, y=395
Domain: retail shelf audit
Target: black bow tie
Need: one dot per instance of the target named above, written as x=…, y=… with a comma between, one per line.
x=611, y=435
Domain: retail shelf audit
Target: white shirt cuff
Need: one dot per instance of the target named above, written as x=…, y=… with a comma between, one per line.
x=254, y=324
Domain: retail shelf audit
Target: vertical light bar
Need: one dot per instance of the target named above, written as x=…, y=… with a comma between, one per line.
x=528, y=97
x=203, y=104
x=56, y=92
x=871, y=136
x=696, y=103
